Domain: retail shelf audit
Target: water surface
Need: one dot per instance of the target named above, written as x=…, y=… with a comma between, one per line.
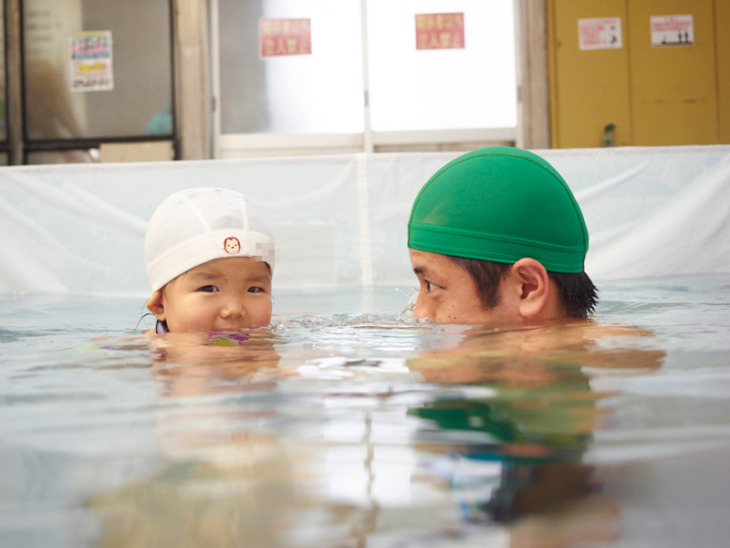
x=350, y=424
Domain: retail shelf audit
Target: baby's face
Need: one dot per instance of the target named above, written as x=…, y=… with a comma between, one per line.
x=222, y=294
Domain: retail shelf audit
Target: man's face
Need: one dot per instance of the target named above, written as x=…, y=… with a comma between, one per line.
x=448, y=294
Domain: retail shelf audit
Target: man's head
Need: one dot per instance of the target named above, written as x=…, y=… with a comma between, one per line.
x=501, y=214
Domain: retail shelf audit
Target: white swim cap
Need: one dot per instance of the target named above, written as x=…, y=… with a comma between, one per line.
x=197, y=225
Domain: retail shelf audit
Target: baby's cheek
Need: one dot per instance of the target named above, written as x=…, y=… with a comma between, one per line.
x=265, y=313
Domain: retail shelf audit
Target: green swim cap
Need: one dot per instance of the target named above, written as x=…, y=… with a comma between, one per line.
x=500, y=204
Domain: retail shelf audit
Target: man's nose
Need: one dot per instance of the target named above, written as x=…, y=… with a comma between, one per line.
x=422, y=309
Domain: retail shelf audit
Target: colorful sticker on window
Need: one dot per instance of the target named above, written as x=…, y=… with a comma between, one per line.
x=91, y=61
x=439, y=31
x=285, y=37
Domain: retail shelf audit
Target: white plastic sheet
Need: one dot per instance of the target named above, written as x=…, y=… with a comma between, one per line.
x=341, y=220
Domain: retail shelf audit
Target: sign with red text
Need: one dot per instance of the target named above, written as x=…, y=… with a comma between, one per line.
x=599, y=33
x=91, y=61
x=285, y=37
x=439, y=31
x=672, y=30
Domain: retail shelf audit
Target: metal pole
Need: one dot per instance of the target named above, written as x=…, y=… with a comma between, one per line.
x=368, y=134
x=215, y=62
x=14, y=83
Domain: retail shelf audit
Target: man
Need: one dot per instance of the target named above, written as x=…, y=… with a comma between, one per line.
x=496, y=237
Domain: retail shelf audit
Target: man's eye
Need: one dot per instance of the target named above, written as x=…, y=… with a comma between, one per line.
x=208, y=289
x=255, y=289
x=430, y=286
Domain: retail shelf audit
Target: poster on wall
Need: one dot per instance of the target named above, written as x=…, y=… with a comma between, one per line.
x=91, y=61
x=672, y=30
x=599, y=33
x=285, y=37
x=440, y=31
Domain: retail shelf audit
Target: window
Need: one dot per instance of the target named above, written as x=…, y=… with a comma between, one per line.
x=453, y=88
x=95, y=70
x=318, y=99
x=319, y=92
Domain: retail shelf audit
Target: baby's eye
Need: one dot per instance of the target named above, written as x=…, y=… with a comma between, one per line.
x=255, y=289
x=208, y=289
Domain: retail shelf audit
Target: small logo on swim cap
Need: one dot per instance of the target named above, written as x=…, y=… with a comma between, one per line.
x=231, y=245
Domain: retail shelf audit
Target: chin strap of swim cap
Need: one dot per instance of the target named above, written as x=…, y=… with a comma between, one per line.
x=500, y=204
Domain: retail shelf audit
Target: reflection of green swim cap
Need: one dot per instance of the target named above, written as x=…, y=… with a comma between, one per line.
x=500, y=204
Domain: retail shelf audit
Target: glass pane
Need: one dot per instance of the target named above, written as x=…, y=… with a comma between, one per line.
x=97, y=68
x=319, y=92
x=473, y=86
x=3, y=89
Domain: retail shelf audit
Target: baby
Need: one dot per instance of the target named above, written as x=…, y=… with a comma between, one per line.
x=210, y=261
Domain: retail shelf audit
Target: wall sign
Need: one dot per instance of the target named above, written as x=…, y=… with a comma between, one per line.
x=91, y=61
x=439, y=31
x=599, y=33
x=285, y=37
x=672, y=30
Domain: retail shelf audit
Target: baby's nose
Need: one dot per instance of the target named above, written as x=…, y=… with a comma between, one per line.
x=233, y=307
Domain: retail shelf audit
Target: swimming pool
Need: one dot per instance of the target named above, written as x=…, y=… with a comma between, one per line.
x=368, y=428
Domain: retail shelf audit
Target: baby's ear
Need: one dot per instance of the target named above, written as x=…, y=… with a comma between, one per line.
x=156, y=306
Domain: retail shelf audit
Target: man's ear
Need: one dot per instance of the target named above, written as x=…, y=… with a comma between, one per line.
x=535, y=298
x=156, y=305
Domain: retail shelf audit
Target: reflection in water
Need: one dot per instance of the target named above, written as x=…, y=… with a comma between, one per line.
x=302, y=440
x=226, y=480
x=537, y=425
x=193, y=364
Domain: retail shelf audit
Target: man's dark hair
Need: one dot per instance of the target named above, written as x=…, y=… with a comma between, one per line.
x=577, y=293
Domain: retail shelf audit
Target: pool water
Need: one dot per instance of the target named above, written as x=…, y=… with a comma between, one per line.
x=351, y=424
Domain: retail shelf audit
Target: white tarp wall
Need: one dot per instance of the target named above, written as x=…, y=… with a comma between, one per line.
x=341, y=220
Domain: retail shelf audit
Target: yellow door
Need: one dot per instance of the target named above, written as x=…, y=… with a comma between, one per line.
x=673, y=87
x=589, y=73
